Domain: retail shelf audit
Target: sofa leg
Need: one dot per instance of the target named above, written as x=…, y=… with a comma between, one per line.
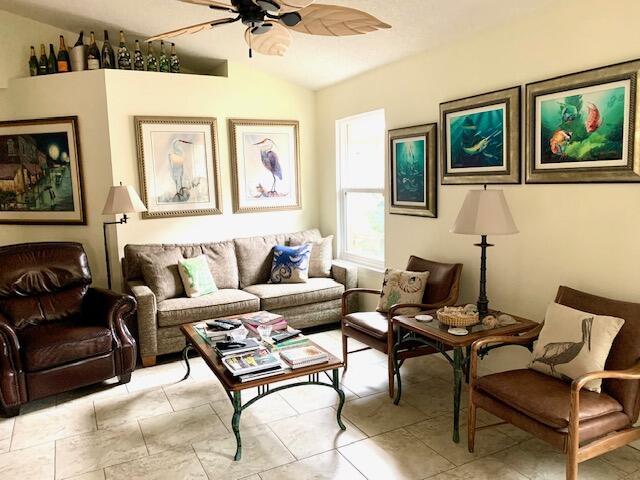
x=126, y=378
x=149, y=361
x=345, y=353
x=471, y=440
x=13, y=411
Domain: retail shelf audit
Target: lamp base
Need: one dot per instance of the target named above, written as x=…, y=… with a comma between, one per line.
x=483, y=301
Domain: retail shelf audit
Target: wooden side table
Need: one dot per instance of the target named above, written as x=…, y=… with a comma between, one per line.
x=412, y=334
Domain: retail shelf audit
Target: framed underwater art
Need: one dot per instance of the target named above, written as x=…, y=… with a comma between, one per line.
x=412, y=170
x=480, y=139
x=178, y=166
x=583, y=127
x=265, y=165
x=40, y=172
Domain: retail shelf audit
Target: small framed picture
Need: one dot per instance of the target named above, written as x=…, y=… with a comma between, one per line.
x=582, y=127
x=41, y=172
x=178, y=166
x=412, y=174
x=265, y=165
x=480, y=138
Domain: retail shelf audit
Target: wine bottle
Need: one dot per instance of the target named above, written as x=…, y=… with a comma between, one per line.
x=164, y=63
x=152, y=60
x=33, y=63
x=64, y=63
x=93, y=56
x=138, y=59
x=42, y=63
x=124, y=57
x=80, y=40
x=174, y=61
x=108, y=55
x=52, y=63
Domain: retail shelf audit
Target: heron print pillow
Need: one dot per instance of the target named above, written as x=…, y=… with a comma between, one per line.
x=401, y=286
x=572, y=343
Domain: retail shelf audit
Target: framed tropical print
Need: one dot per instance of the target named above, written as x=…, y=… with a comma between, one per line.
x=412, y=174
x=178, y=166
x=41, y=172
x=480, y=139
x=583, y=127
x=265, y=165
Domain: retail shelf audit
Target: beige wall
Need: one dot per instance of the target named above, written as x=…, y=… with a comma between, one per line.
x=580, y=235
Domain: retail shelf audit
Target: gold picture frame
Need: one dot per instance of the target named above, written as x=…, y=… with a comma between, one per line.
x=178, y=166
x=265, y=165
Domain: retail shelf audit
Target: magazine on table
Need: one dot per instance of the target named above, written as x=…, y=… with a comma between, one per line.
x=236, y=347
x=256, y=361
x=304, y=355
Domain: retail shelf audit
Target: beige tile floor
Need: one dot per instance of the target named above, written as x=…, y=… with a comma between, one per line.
x=159, y=428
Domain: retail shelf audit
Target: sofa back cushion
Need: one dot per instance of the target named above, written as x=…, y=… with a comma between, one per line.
x=255, y=257
x=161, y=274
x=222, y=263
x=42, y=282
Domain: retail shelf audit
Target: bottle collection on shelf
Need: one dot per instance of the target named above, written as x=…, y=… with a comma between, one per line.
x=92, y=58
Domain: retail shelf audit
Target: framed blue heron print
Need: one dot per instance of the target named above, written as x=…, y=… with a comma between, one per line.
x=265, y=165
x=178, y=166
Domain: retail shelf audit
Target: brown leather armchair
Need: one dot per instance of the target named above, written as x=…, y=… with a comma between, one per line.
x=56, y=332
x=581, y=423
x=372, y=328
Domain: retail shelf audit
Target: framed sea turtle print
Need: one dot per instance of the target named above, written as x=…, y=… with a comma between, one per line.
x=412, y=170
x=480, y=139
x=178, y=166
x=265, y=165
x=583, y=127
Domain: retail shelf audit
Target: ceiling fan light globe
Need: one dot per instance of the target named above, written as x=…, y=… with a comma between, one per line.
x=268, y=5
x=291, y=19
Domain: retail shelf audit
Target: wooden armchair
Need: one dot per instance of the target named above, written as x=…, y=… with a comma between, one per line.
x=582, y=423
x=372, y=328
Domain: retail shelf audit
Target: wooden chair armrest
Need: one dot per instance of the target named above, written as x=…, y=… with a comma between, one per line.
x=632, y=373
x=351, y=291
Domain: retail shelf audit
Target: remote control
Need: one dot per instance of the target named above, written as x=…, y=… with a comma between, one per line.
x=230, y=321
x=220, y=325
x=281, y=337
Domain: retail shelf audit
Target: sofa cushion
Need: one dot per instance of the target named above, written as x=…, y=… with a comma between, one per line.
x=321, y=255
x=544, y=398
x=306, y=236
x=290, y=264
x=57, y=343
x=255, y=256
x=222, y=263
x=374, y=324
x=176, y=311
x=275, y=296
x=160, y=272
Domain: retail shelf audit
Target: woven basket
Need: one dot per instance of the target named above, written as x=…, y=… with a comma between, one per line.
x=458, y=319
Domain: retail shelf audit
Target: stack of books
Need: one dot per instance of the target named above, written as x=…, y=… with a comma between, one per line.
x=304, y=356
x=275, y=346
x=236, y=347
x=253, y=365
x=253, y=320
x=212, y=334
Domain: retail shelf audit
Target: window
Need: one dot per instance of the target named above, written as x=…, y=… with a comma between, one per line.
x=360, y=152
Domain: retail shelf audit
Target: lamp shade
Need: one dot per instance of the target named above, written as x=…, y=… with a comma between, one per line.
x=485, y=212
x=123, y=199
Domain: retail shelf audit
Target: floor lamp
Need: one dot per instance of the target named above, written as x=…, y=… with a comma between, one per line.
x=484, y=212
x=122, y=199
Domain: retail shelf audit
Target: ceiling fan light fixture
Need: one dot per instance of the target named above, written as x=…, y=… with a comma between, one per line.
x=268, y=5
x=291, y=19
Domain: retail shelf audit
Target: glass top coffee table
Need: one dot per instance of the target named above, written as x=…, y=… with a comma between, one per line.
x=233, y=386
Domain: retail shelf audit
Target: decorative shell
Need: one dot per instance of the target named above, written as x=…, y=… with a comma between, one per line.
x=470, y=308
x=490, y=321
x=505, y=319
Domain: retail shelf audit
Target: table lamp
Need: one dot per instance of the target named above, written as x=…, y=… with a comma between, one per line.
x=484, y=212
x=122, y=199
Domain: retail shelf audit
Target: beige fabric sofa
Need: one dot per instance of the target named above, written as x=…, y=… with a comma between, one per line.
x=241, y=268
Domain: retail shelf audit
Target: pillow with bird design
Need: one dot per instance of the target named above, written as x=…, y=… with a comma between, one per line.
x=572, y=343
x=400, y=286
x=290, y=264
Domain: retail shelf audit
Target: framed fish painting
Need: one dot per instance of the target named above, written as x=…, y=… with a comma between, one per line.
x=178, y=166
x=265, y=165
x=412, y=178
x=480, y=138
x=582, y=127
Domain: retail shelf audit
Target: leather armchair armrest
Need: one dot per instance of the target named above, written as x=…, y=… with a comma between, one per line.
x=353, y=291
x=112, y=310
x=9, y=343
x=12, y=388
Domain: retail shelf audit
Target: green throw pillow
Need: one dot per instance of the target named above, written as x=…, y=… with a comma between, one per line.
x=196, y=276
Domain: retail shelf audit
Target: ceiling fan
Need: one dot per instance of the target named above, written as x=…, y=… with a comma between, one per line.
x=269, y=22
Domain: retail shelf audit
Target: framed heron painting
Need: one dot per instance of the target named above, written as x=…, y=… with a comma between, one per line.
x=480, y=138
x=178, y=166
x=412, y=177
x=265, y=163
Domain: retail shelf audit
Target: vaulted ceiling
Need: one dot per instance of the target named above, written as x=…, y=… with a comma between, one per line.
x=312, y=61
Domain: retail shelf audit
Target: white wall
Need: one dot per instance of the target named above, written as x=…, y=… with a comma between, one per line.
x=584, y=236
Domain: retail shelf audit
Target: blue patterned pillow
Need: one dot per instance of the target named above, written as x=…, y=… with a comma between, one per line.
x=290, y=264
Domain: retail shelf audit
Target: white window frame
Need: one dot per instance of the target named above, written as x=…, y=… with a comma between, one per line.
x=342, y=153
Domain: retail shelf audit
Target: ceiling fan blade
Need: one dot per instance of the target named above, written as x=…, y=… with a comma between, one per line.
x=333, y=20
x=293, y=5
x=274, y=42
x=212, y=3
x=192, y=29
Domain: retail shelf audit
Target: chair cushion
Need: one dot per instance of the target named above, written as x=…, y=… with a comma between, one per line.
x=545, y=398
x=441, y=277
x=275, y=296
x=177, y=311
x=53, y=344
x=371, y=323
